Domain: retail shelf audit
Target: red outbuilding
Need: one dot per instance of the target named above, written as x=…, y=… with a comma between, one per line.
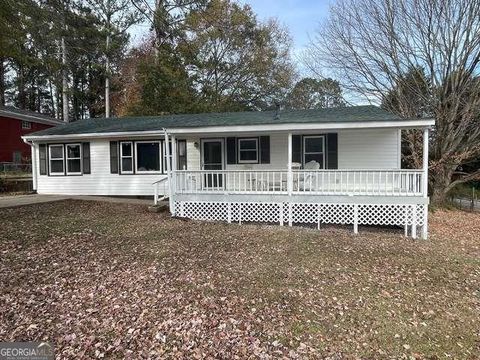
x=15, y=123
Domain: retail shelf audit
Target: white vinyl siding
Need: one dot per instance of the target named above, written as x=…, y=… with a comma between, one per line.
x=369, y=149
x=100, y=181
x=193, y=153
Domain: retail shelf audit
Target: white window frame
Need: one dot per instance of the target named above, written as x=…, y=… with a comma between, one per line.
x=73, y=158
x=26, y=125
x=126, y=157
x=239, y=150
x=164, y=156
x=314, y=152
x=56, y=159
x=159, y=157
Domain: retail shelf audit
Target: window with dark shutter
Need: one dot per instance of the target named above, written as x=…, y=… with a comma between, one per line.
x=114, y=157
x=86, y=157
x=231, y=150
x=265, y=149
x=42, y=152
x=332, y=151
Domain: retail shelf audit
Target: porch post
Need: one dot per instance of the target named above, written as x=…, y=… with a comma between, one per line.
x=34, y=166
x=173, y=170
x=425, y=163
x=169, y=175
x=425, y=182
x=289, y=166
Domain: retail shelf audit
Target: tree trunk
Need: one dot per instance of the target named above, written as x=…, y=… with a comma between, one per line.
x=2, y=82
x=107, y=65
x=22, y=100
x=64, y=82
x=441, y=181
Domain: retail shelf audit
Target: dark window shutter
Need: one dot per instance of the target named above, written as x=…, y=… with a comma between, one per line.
x=231, y=150
x=114, y=157
x=297, y=148
x=332, y=151
x=42, y=155
x=265, y=149
x=86, y=157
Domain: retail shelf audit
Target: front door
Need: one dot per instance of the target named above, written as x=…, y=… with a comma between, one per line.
x=212, y=159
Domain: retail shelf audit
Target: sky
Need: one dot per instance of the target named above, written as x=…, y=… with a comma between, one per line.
x=301, y=17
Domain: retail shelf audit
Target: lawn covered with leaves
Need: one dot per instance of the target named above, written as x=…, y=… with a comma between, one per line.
x=111, y=280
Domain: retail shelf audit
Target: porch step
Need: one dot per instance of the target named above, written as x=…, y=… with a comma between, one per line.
x=160, y=207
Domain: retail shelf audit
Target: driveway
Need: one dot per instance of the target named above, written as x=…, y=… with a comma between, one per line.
x=21, y=200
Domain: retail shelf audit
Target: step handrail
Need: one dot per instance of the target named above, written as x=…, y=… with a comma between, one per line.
x=156, y=188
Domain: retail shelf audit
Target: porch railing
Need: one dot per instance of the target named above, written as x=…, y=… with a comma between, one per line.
x=315, y=182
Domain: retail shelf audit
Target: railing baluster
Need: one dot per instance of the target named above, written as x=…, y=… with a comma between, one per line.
x=386, y=182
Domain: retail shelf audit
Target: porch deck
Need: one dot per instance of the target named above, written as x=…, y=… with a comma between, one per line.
x=357, y=197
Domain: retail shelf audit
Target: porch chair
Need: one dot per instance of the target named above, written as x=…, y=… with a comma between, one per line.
x=311, y=165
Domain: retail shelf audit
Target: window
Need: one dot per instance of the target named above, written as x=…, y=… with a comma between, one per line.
x=314, y=150
x=248, y=151
x=147, y=157
x=74, y=159
x=26, y=125
x=57, y=160
x=126, y=158
x=182, y=154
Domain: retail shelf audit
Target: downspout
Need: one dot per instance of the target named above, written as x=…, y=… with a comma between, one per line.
x=34, y=163
x=169, y=173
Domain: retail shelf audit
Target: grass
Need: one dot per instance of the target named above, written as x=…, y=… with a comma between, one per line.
x=112, y=280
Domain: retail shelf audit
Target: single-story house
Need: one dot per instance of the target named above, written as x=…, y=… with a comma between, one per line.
x=15, y=123
x=338, y=165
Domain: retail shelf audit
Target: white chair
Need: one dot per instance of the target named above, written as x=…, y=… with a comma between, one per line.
x=305, y=183
x=312, y=165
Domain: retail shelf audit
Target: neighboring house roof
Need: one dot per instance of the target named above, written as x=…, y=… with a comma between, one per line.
x=355, y=114
x=26, y=115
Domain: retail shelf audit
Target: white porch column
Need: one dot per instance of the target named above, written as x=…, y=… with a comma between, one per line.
x=289, y=166
x=425, y=163
x=169, y=174
x=173, y=170
x=34, y=166
x=425, y=182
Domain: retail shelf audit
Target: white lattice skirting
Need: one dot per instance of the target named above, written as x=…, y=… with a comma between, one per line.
x=305, y=213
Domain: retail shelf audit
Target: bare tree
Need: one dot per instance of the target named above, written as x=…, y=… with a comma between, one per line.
x=371, y=45
x=166, y=17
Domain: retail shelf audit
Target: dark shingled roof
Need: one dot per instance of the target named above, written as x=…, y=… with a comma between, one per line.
x=152, y=123
x=32, y=116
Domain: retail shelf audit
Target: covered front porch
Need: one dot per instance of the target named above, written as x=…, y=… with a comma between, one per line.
x=308, y=189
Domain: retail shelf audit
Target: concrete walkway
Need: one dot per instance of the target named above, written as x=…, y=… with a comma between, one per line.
x=21, y=200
